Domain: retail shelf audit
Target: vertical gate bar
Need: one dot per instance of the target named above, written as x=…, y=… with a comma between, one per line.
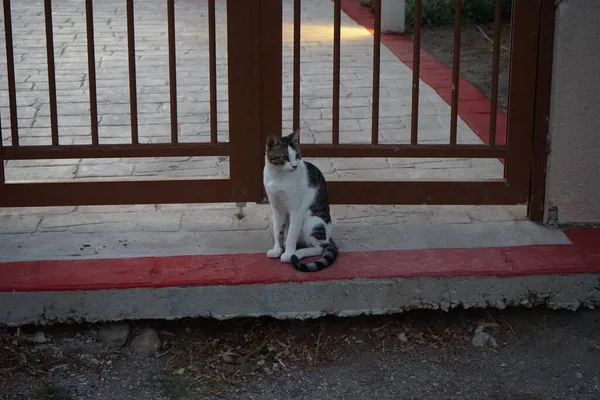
x=521, y=97
x=10, y=66
x=296, y=90
x=376, y=73
x=212, y=62
x=535, y=209
x=2, y=176
x=495, y=71
x=414, y=121
x=337, y=28
x=455, y=70
x=91, y=50
x=172, y=69
x=271, y=66
x=51, y=71
x=132, y=73
x=254, y=46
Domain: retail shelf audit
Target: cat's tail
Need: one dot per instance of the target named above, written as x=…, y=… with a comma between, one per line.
x=329, y=255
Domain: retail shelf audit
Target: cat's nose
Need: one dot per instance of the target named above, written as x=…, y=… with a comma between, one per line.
x=294, y=166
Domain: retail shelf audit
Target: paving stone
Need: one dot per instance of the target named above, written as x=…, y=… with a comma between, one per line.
x=18, y=223
x=254, y=219
x=360, y=163
x=40, y=173
x=490, y=213
x=91, y=222
x=108, y=170
x=36, y=210
x=396, y=174
x=121, y=209
x=175, y=166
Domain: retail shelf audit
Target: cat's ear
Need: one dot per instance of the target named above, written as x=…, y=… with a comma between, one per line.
x=272, y=140
x=295, y=137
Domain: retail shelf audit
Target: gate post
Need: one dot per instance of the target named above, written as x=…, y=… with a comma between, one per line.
x=521, y=97
x=254, y=41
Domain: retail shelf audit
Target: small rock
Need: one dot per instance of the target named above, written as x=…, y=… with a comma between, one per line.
x=481, y=338
x=114, y=335
x=40, y=337
x=402, y=337
x=578, y=375
x=146, y=343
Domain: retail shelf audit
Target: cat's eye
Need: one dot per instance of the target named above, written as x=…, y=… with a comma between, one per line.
x=298, y=156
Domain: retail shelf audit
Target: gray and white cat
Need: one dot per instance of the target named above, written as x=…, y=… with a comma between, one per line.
x=298, y=196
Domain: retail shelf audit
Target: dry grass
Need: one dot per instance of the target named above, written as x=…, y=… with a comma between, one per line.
x=215, y=360
x=209, y=356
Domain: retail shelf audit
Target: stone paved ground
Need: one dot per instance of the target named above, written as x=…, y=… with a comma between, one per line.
x=57, y=232
x=193, y=92
x=165, y=230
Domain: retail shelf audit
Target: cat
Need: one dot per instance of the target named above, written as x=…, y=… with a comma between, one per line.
x=297, y=193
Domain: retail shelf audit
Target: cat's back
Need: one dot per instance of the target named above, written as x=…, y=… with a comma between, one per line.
x=314, y=175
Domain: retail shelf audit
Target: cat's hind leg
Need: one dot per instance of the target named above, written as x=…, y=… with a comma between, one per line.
x=314, y=235
x=309, y=252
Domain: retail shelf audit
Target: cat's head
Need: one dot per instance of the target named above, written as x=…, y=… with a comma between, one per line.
x=284, y=152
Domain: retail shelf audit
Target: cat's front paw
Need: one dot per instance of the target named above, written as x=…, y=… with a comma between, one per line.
x=275, y=252
x=286, y=257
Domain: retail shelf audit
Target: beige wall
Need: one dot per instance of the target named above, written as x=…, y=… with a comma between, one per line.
x=573, y=174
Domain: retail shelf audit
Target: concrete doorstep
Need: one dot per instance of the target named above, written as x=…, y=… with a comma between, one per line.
x=448, y=259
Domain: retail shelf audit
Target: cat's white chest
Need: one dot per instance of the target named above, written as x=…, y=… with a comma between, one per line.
x=284, y=190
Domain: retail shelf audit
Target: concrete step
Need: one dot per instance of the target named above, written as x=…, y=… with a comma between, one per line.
x=360, y=282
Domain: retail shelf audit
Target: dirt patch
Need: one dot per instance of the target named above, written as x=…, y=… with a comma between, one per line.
x=425, y=355
x=476, y=55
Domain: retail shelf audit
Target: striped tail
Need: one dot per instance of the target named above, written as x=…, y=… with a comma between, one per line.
x=329, y=255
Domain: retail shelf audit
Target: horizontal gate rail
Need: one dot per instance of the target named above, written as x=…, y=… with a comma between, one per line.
x=116, y=151
x=151, y=191
x=399, y=150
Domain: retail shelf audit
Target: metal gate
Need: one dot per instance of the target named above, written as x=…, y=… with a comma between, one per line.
x=254, y=30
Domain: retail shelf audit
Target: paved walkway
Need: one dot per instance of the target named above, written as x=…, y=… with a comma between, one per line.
x=97, y=232
x=193, y=95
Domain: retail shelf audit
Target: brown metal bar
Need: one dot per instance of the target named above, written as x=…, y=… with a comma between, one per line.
x=490, y=192
x=244, y=50
x=455, y=70
x=51, y=71
x=535, y=210
x=521, y=97
x=165, y=191
x=10, y=67
x=212, y=63
x=172, y=69
x=495, y=70
x=270, y=67
x=151, y=191
x=132, y=73
x=392, y=150
x=414, y=124
x=376, y=73
x=337, y=30
x=2, y=176
x=297, y=38
x=115, y=151
x=89, y=20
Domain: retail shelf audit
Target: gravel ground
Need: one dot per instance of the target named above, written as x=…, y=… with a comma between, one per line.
x=534, y=354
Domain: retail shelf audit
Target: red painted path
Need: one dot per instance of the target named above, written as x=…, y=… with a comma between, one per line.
x=583, y=256
x=473, y=107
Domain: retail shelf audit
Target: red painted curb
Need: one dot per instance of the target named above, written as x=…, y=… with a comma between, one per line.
x=473, y=107
x=583, y=256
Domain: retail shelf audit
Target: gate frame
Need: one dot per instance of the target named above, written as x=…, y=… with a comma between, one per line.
x=255, y=99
